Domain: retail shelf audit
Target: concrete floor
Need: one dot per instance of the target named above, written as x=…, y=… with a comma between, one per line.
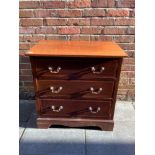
x=76, y=141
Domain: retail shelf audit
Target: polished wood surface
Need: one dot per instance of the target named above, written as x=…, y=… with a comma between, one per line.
x=76, y=108
x=76, y=49
x=75, y=68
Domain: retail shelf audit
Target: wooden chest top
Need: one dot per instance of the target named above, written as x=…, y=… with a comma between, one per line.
x=76, y=49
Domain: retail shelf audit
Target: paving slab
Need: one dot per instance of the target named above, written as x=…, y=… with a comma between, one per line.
x=22, y=126
x=124, y=111
x=26, y=107
x=53, y=142
x=120, y=141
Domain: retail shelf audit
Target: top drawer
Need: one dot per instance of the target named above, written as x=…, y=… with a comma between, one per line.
x=74, y=68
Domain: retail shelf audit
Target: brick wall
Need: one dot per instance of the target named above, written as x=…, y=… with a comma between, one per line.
x=78, y=20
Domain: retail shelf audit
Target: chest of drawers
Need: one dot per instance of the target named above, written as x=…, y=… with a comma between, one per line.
x=76, y=82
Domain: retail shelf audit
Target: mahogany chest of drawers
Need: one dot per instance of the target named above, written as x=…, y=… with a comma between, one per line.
x=76, y=82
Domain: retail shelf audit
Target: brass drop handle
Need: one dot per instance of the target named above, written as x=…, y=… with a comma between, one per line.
x=56, y=91
x=60, y=108
x=97, y=72
x=56, y=71
x=94, y=111
x=95, y=92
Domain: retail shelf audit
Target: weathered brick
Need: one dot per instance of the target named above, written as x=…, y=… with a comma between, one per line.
x=26, y=72
x=35, y=38
x=70, y=13
x=78, y=22
x=24, y=59
x=69, y=30
x=124, y=21
x=26, y=14
x=127, y=46
x=27, y=30
x=125, y=3
x=114, y=30
x=53, y=4
x=56, y=22
x=101, y=22
x=31, y=22
x=29, y=4
x=46, y=30
x=100, y=38
x=56, y=37
x=45, y=13
x=80, y=37
x=24, y=46
x=124, y=39
x=132, y=13
x=117, y=13
x=111, y=3
x=90, y=30
x=131, y=30
x=24, y=66
x=94, y=13
x=78, y=4
x=128, y=61
x=99, y=3
x=25, y=78
x=28, y=83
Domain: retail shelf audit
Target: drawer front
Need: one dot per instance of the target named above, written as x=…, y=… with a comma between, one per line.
x=75, y=68
x=75, y=89
x=75, y=108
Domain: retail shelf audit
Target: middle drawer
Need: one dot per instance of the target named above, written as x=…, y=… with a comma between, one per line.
x=72, y=89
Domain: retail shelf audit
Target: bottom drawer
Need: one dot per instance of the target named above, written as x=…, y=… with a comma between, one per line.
x=74, y=108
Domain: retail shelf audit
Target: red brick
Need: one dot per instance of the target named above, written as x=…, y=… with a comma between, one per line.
x=25, y=78
x=125, y=4
x=128, y=67
x=129, y=61
x=26, y=13
x=94, y=13
x=34, y=38
x=27, y=30
x=21, y=38
x=69, y=30
x=127, y=22
x=79, y=4
x=45, y=13
x=24, y=46
x=78, y=22
x=24, y=59
x=30, y=83
x=29, y=4
x=127, y=46
x=26, y=72
x=46, y=30
x=124, y=39
x=90, y=30
x=53, y=4
x=132, y=13
x=56, y=22
x=99, y=3
x=131, y=30
x=111, y=3
x=114, y=30
x=24, y=66
x=131, y=53
x=31, y=22
x=117, y=13
x=70, y=13
x=56, y=37
x=80, y=37
x=101, y=38
x=101, y=22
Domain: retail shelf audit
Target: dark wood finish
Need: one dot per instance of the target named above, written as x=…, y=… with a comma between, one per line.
x=75, y=68
x=75, y=89
x=106, y=125
x=74, y=95
x=75, y=108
